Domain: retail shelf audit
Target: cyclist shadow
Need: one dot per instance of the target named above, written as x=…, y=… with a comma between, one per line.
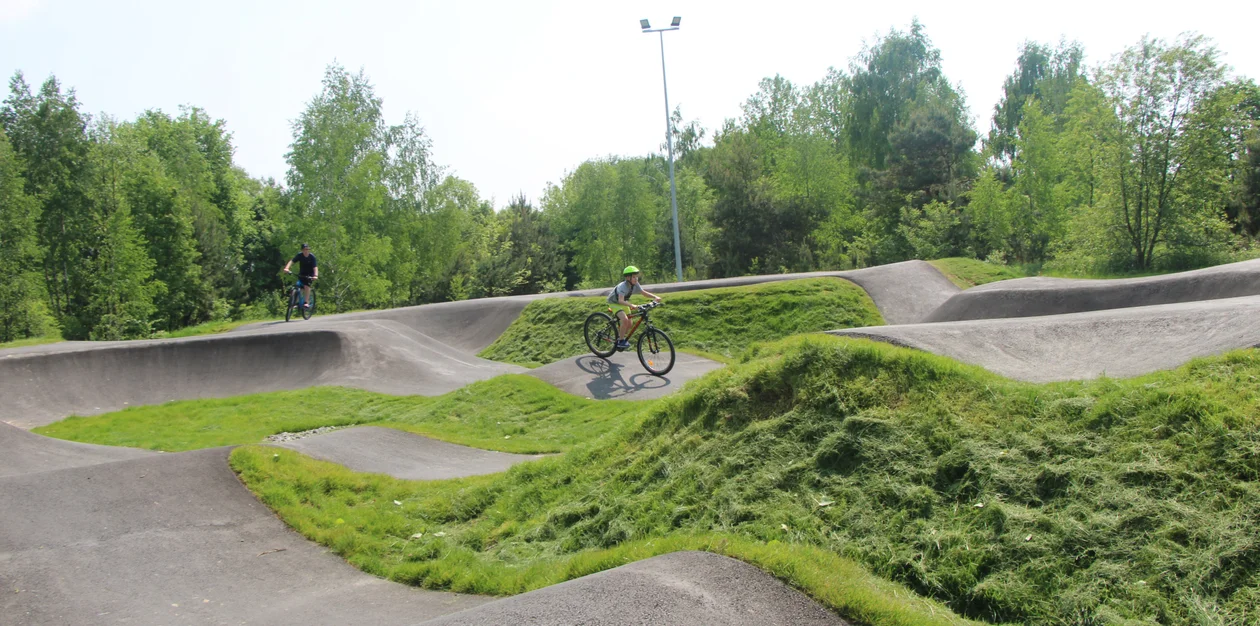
x=609, y=381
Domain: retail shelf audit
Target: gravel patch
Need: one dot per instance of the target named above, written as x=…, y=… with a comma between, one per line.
x=283, y=437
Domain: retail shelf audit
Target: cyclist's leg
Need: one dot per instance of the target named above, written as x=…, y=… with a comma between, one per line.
x=306, y=291
x=624, y=317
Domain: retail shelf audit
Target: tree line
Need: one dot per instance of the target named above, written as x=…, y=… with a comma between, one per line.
x=1147, y=162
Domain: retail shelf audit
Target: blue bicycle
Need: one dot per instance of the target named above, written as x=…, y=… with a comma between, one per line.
x=298, y=302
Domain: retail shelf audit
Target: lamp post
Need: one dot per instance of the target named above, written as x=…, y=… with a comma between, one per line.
x=669, y=139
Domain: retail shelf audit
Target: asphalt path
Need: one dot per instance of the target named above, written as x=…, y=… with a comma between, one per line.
x=680, y=589
x=1118, y=343
x=401, y=454
x=1039, y=296
x=101, y=535
x=621, y=376
x=176, y=539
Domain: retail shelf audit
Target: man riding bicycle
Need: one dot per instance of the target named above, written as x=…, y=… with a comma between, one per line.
x=308, y=271
x=620, y=296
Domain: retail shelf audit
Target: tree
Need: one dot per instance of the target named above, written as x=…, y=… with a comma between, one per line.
x=1155, y=88
x=337, y=188
x=1041, y=75
x=888, y=79
x=122, y=296
x=49, y=134
x=22, y=309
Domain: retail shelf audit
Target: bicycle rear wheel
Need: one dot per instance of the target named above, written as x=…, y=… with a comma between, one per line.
x=307, y=312
x=293, y=296
x=656, y=352
x=601, y=334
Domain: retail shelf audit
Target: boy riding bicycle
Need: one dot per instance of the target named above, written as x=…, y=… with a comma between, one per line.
x=308, y=271
x=620, y=296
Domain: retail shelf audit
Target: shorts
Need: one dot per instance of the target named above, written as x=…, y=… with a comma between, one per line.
x=305, y=281
x=619, y=308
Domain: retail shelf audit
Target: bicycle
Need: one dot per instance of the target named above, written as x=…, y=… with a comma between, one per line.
x=656, y=350
x=295, y=301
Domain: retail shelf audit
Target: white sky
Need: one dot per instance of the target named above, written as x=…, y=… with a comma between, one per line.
x=515, y=94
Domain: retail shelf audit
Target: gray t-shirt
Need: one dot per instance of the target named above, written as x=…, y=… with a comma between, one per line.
x=623, y=288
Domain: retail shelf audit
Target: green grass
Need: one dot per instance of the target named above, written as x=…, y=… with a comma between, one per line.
x=717, y=323
x=509, y=413
x=209, y=328
x=1102, y=502
x=967, y=273
x=32, y=341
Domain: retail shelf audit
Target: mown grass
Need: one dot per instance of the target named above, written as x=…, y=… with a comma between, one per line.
x=32, y=341
x=509, y=413
x=1102, y=502
x=717, y=323
x=967, y=273
x=210, y=328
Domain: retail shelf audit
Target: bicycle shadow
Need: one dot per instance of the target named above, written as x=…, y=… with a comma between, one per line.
x=608, y=380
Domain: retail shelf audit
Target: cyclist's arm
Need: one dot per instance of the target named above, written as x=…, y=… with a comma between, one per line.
x=316, y=276
x=286, y=266
x=648, y=294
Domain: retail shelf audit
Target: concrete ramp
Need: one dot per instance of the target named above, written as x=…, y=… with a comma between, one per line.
x=1117, y=343
x=1028, y=297
x=680, y=589
x=621, y=376
x=172, y=539
x=86, y=379
x=27, y=453
x=403, y=455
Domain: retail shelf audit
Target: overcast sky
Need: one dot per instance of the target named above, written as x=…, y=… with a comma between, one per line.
x=515, y=94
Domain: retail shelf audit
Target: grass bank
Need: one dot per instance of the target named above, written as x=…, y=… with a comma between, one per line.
x=967, y=273
x=508, y=413
x=1102, y=502
x=720, y=323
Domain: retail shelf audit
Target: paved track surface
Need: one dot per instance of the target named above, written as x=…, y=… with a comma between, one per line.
x=27, y=453
x=91, y=535
x=377, y=355
x=621, y=376
x=681, y=589
x=174, y=539
x=402, y=454
x=427, y=350
x=1024, y=297
x=1116, y=343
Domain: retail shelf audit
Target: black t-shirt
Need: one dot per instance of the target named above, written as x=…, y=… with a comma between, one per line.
x=307, y=263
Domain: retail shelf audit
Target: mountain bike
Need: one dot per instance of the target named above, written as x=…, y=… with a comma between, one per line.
x=656, y=350
x=296, y=301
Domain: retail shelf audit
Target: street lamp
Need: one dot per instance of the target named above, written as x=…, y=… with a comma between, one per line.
x=669, y=139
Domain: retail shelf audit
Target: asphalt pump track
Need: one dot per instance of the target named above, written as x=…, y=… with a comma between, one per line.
x=93, y=534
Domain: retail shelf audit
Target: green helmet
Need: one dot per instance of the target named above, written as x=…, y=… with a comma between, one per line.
x=630, y=269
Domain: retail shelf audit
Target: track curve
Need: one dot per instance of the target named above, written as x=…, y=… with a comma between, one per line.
x=1038, y=296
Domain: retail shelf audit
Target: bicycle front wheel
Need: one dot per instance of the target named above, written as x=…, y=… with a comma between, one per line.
x=601, y=334
x=293, y=298
x=308, y=311
x=656, y=352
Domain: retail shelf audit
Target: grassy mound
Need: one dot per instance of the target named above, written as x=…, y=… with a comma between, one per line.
x=1129, y=501
x=967, y=273
x=720, y=323
x=508, y=413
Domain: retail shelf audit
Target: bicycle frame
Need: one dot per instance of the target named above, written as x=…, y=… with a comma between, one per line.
x=643, y=317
